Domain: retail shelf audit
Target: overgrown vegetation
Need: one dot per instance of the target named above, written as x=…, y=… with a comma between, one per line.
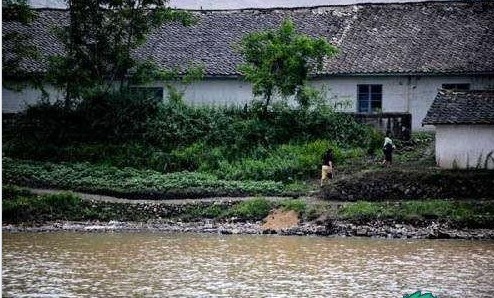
x=459, y=213
x=279, y=62
x=130, y=182
x=125, y=130
x=20, y=205
x=99, y=41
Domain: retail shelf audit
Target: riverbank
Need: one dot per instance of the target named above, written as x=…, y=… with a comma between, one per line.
x=337, y=229
x=412, y=199
x=37, y=210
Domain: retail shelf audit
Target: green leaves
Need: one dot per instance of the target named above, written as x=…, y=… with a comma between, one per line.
x=471, y=214
x=100, y=40
x=104, y=179
x=281, y=60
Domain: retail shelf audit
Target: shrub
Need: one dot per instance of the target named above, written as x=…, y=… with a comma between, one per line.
x=470, y=214
x=298, y=206
x=285, y=163
x=129, y=181
x=254, y=209
x=362, y=210
x=131, y=130
x=41, y=208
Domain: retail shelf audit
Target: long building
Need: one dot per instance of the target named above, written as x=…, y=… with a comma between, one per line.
x=393, y=57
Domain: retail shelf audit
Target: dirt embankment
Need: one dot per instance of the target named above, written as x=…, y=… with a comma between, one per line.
x=412, y=184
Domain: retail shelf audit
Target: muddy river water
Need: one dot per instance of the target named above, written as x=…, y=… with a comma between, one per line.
x=69, y=264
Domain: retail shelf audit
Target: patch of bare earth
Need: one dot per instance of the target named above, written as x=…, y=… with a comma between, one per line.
x=281, y=220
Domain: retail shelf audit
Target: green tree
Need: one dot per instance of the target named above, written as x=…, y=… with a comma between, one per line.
x=16, y=45
x=281, y=61
x=176, y=80
x=100, y=41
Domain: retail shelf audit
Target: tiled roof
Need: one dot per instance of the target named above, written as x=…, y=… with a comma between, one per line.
x=461, y=107
x=424, y=37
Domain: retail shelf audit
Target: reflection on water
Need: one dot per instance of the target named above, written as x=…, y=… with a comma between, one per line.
x=193, y=265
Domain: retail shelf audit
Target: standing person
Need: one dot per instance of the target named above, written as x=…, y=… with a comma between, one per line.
x=388, y=148
x=327, y=166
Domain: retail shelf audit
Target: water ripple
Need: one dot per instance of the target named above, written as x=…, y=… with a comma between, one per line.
x=196, y=265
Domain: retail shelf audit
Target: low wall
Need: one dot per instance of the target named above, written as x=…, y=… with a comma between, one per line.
x=397, y=185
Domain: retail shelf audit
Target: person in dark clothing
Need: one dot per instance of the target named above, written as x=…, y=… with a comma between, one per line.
x=327, y=166
x=388, y=148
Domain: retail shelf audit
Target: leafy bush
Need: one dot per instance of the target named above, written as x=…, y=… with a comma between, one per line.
x=123, y=129
x=129, y=181
x=285, y=163
x=298, y=206
x=29, y=207
x=471, y=214
x=254, y=209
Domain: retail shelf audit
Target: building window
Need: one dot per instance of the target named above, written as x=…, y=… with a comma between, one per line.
x=462, y=86
x=369, y=98
x=154, y=92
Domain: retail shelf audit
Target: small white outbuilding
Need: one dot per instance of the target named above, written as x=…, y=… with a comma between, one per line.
x=464, y=122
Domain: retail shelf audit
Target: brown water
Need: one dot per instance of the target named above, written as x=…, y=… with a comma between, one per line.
x=202, y=265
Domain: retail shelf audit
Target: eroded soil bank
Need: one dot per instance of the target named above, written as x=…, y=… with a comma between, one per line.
x=336, y=229
x=278, y=222
x=399, y=186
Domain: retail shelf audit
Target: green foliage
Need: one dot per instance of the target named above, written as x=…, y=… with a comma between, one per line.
x=285, y=163
x=45, y=130
x=281, y=60
x=254, y=209
x=99, y=42
x=129, y=181
x=18, y=46
x=26, y=207
x=419, y=149
x=471, y=214
x=198, y=212
x=299, y=206
x=363, y=210
x=17, y=11
x=136, y=130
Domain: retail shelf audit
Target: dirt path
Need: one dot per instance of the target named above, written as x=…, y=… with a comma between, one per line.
x=95, y=197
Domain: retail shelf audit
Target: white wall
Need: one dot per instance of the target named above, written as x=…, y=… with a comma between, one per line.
x=423, y=90
x=464, y=146
x=413, y=94
x=16, y=101
x=218, y=92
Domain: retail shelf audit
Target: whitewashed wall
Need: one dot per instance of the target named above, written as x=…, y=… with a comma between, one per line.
x=464, y=146
x=413, y=94
x=424, y=90
x=16, y=101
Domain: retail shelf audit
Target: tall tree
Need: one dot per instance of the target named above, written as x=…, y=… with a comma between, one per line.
x=281, y=61
x=16, y=46
x=100, y=40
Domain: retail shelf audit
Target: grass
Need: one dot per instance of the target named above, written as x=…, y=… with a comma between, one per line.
x=298, y=205
x=460, y=213
x=131, y=182
x=255, y=209
x=21, y=206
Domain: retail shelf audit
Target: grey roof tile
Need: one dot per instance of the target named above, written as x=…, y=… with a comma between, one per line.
x=424, y=37
x=461, y=107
